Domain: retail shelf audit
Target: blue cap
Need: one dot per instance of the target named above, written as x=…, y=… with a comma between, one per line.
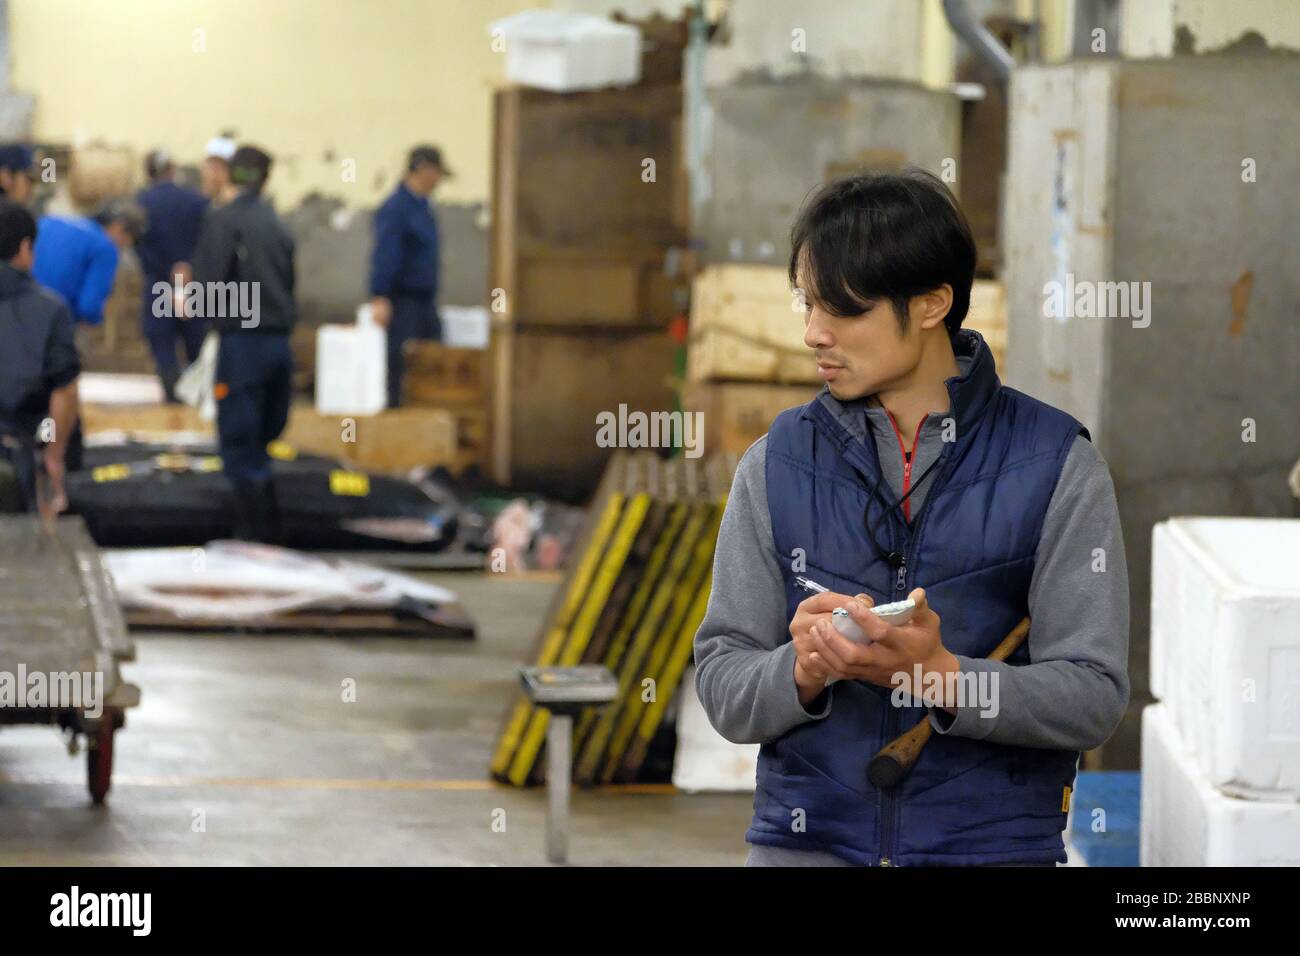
x=16, y=157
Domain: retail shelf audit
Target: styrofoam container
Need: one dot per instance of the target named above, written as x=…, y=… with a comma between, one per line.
x=564, y=52
x=465, y=326
x=1225, y=646
x=705, y=761
x=352, y=367
x=1188, y=822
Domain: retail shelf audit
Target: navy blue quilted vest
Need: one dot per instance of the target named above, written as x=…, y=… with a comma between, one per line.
x=971, y=546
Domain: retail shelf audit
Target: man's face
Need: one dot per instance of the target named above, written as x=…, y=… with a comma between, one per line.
x=425, y=178
x=17, y=185
x=214, y=175
x=860, y=354
x=23, y=260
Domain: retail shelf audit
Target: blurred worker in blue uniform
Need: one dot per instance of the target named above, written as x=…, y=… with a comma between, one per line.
x=76, y=256
x=17, y=173
x=38, y=372
x=175, y=215
x=244, y=264
x=404, y=264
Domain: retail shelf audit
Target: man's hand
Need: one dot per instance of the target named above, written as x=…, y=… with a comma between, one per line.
x=54, y=471
x=181, y=274
x=381, y=310
x=810, y=670
x=890, y=660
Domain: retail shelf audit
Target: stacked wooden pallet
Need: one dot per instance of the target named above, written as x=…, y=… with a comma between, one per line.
x=988, y=317
x=632, y=601
x=455, y=381
x=589, y=220
x=746, y=360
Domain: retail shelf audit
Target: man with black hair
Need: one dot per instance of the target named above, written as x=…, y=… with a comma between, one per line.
x=38, y=371
x=175, y=214
x=77, y=256
x=914, y=475
x=404, y=264
x=243, y=265
x=16, y=172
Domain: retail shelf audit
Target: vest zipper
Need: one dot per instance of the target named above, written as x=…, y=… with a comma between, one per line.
x=907, y=460
x=889, y=805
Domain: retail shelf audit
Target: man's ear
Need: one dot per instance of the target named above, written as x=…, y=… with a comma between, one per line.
x=933, y=306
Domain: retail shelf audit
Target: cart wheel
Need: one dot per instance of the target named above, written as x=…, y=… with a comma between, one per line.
x=99, y=757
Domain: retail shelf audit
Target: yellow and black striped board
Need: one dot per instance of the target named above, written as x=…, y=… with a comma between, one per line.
x=602, y=517
x=637, y=586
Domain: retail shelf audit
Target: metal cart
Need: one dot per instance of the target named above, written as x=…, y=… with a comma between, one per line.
x=61, y=634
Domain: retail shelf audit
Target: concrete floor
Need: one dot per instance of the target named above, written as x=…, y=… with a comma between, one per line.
x=244, y=752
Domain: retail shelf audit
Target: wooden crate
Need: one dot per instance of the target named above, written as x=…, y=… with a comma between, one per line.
x=988, y=317
x=143, y=419
x=586, y=265
x=454, y=380
x=737, y=414
x=393, y=441
x=571, y=166
x=550, y=385
x=746, y=326
x=439, y=376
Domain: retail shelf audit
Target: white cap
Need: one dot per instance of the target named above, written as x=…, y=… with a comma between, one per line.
x=222, y=147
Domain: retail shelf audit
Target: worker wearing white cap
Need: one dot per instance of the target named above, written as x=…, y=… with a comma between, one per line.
x=214, y=174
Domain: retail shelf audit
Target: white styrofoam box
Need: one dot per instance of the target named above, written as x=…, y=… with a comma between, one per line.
x=113, y=388
x=464, y=326
x=1225, y=645
x=563, y=52
x=1188, y=822
x=352, y=367
x=706, y=761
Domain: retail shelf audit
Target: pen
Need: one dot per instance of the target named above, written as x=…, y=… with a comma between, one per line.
x=808, y=584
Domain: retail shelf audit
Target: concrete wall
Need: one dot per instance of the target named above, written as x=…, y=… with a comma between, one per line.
x=1164, y=27
x=769, y=142
x=1132, y=172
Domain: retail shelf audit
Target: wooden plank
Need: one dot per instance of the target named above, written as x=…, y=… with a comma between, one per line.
x=560, y=381
x=745, y=326
x=393, y=441
x=737, y=414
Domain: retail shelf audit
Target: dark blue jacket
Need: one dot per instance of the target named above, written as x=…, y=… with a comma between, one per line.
x=405, y=258
x=175, y=216
x=74, y=257
x=38, y=353
x=972, y=548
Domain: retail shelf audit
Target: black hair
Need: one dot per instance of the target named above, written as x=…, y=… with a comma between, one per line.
x=250, y=167
x=157, y=163
x=890, y=236
x=16, y=224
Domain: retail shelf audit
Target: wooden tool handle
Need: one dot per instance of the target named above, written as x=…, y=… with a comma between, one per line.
x=897, y=758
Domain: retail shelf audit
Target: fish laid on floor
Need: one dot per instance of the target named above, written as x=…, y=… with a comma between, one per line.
x=239, y=581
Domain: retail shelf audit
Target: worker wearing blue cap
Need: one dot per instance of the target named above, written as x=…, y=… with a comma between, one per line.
x=16, y=175
x=404, y=264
